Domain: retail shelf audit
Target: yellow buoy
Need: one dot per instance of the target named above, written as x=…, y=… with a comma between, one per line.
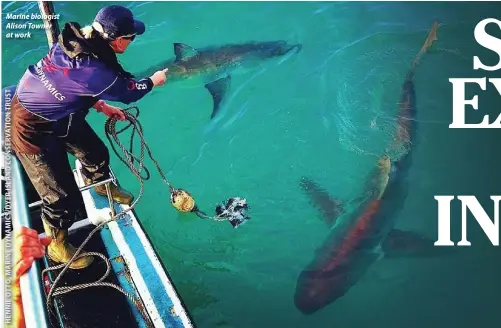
x=182, y=200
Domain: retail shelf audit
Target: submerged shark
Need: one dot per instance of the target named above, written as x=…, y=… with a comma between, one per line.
x=213, y=66
x=368, y=234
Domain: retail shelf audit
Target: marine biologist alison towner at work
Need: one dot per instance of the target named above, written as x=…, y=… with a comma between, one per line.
x=48, y=116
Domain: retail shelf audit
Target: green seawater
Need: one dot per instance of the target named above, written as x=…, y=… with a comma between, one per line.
x=326, y=113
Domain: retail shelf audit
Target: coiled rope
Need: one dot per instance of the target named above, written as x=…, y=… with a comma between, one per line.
x=112, y=134
x=180, y=199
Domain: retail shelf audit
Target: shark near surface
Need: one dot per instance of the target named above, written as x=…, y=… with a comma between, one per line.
x=213, y=66
x=368, y=234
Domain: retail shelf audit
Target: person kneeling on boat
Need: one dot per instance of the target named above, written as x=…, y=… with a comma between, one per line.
x=49, y=107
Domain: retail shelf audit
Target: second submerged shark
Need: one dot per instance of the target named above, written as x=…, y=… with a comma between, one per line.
x=360, y=240
x=213, y=66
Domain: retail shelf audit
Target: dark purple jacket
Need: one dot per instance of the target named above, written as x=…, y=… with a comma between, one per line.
x=58, y=85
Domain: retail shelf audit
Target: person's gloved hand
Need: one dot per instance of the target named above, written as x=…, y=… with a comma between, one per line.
x=159, y=77
x=28, y=247
x=108, y=110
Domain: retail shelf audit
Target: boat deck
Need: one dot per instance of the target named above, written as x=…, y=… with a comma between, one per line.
x=135, y=267
x=93, y=307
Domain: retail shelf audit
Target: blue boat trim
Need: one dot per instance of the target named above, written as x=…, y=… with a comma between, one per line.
x=120, y=269
x=31, y=286
x=148, y=274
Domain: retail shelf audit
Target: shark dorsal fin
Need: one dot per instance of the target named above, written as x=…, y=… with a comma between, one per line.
x=183, y=51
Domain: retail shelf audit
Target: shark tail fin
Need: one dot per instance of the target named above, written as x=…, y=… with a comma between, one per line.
x=428, y=43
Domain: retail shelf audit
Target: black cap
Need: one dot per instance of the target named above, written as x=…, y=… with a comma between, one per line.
x=118, y=21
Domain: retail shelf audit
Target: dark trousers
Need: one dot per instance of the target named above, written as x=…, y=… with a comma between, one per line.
x=51, y=174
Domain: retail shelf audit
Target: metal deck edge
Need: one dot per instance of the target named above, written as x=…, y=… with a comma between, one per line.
x=179, y=306
x=124, y=250
x=113, y=252
x=147, y=271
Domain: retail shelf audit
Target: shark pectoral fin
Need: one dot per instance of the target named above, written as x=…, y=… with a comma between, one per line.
x=183, y=51
x=331, y=208
x=218, y=91
x=400, y=243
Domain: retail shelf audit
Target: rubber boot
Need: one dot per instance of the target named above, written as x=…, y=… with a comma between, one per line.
x=119, y=195
x=61, y=251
